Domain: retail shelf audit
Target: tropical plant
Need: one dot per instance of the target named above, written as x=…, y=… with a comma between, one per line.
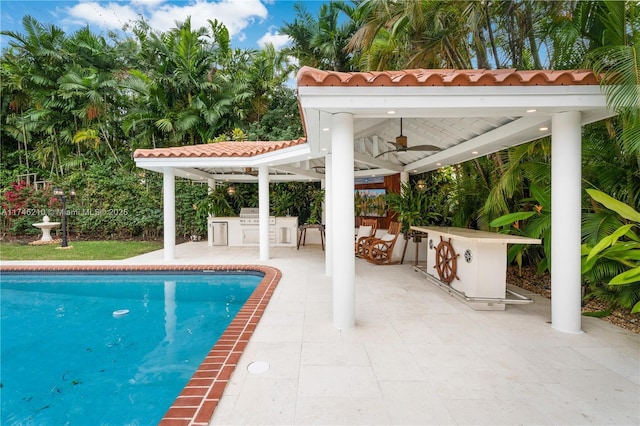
x=216, y=203
x=412, y=206
x=469, y=189
x=611, y=266
x=317, y=200
x=321, y=42
x=534, y=221
x=281, y=201
x=614, y=30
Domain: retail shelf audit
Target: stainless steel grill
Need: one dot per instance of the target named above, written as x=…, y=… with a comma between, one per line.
x=250, y=216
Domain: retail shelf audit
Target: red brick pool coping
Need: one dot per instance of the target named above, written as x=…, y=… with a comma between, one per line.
x=198, y=400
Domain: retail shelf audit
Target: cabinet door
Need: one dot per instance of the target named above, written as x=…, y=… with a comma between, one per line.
x=250, y=235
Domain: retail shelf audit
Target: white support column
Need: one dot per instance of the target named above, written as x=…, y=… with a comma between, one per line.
x=566, y=174
x=263, y=202
x=169, y=199
x=328, y=209
x=211, y=187
x=342, y=221
x=404, y=178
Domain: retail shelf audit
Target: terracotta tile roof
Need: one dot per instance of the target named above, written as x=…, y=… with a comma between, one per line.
x=308, y=76
x=219, y=149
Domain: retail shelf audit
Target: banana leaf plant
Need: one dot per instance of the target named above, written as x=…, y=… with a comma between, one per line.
x=534, y=222
x=616, y=256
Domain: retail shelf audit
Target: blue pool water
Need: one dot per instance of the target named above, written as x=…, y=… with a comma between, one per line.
x=66, y=359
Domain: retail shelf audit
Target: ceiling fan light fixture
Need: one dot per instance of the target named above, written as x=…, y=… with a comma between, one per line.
x=402, y=145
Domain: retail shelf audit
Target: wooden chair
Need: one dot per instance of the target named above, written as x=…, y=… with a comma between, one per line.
x=367, y=229
x=380, y=250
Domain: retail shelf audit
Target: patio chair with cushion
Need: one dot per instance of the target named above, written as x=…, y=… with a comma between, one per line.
x=366, y=230
x=380, y=250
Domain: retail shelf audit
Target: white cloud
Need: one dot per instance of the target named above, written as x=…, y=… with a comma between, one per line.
x=278, y=40
x=109, y=16
x=162, y=15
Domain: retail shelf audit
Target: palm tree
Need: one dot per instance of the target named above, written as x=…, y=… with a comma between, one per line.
x=414, y=34
x=31, y=65
x=321, y=42
x=614, y=31
x=95, y=94
x=183, y=87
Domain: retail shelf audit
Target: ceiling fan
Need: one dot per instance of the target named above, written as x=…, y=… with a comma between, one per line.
x=249, y=171
x=401, y=145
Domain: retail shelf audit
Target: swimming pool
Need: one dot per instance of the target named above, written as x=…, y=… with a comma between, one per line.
x=165, y=352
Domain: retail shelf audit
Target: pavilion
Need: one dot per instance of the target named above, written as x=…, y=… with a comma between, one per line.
x=349, y=118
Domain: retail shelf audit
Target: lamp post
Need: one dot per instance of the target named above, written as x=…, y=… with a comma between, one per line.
x=59, y=193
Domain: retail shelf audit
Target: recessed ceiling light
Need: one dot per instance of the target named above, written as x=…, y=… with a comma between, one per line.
x=391, y=112
x=531, y=110
x=542, y=129
x=474, y=152
x=324, y=149
x=326, y=129
x=438, y=164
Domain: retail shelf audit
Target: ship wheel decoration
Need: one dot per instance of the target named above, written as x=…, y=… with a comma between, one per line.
x=446, y=261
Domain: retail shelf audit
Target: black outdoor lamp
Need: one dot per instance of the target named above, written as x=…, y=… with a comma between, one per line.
x=59, y=193
x=421, y=185
x=231, y=190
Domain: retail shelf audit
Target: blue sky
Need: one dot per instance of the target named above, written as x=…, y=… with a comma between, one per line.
x=251, y=23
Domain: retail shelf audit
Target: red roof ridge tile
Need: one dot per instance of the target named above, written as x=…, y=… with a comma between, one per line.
x=308, y=76
x=218, y=149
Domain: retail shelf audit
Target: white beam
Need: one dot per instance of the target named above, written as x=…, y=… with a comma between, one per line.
x=377, y=162
x=302, y=173
x=448, y=101
x=494, y=140
x=566, y=174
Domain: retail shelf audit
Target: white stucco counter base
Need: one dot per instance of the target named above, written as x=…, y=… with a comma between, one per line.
x=470, y=262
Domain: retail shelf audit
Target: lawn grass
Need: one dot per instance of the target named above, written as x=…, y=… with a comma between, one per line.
x=81, y=250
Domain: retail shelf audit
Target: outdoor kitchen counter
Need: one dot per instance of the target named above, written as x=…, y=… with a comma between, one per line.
x=478, y=236
x=471, y=262
x=239, y=231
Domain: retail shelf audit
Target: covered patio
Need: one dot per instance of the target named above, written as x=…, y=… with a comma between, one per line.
x=350, y=118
